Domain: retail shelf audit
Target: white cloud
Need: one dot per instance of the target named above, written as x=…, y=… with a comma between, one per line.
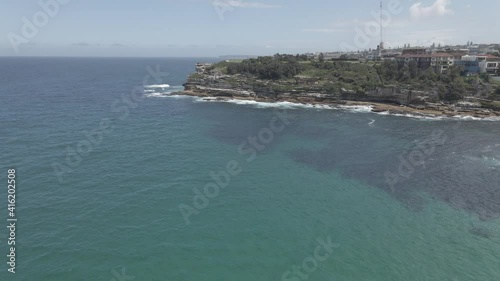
x=439, y=8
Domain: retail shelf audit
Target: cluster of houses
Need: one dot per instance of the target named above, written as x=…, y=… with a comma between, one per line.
x=441, y=61
x=474, y=59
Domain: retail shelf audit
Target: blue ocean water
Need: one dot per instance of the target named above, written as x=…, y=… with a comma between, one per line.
x=111, y=183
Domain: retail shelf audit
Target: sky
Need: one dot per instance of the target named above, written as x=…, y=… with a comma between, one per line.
x=202, y=28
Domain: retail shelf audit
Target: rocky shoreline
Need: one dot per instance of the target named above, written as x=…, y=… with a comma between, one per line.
x=435, y=110
x=212, y=81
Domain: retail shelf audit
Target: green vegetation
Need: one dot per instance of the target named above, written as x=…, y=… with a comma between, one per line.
x=486, y=77
x=289, y=72
x=453, y=92
x=327, y=76
x=496, y=94
x=196, y=76
x=272, y=68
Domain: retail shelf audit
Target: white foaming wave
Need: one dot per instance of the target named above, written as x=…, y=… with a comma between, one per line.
x=293, y=105
x=258, y=104
x=429, y=117
x=472, y=118
x=156, y=95
x=466, y=117
x=438, y=118
x=158, y=86
x=494, y=119
x=160, y=92
x=424, y=117
x=414, y=116
x=178, y=97
x=166, y=95
x=357, y=108
x=322, y=106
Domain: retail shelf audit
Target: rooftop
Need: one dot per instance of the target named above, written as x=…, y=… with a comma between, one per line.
x=488, y=56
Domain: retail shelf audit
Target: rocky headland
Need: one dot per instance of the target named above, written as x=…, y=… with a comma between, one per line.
x=219, y=81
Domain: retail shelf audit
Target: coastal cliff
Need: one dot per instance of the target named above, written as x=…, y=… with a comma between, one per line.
x=344, y=83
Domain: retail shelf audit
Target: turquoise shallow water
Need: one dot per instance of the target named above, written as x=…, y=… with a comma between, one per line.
x=322, y=177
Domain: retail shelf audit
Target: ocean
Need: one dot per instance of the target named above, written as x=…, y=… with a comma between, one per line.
x=119, y=180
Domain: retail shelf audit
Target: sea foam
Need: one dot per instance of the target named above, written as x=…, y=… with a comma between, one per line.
x=357, y=108
x=259, y=104
x=293, y=105
x=158, y=86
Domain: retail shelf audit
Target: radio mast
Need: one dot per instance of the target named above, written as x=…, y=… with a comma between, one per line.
x=381, y=46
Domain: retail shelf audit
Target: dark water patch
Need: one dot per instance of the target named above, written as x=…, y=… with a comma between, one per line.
x=411, y=200
x=231, y=136
x=449, y=174
x=469, y=186
x=321, y=160
x=314, y=132
x=480, y=232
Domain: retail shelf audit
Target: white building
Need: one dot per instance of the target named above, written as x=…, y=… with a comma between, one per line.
x=490, y=67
